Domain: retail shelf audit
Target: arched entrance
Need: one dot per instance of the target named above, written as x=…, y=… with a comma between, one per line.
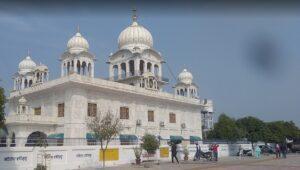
x=37, y=139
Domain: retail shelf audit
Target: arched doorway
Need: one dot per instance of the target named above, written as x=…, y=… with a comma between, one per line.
x=37, y=139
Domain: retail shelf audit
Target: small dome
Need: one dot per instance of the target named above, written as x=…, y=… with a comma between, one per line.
x=77, y=44
x=41, y=67
x=185, y=77
x=22, y=100
x=135, y=36
x=26, y=65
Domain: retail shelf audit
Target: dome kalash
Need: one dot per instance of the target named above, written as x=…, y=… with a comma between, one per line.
x=135, y=36
x=77, y=44
x=26, y=65
x=185, y=77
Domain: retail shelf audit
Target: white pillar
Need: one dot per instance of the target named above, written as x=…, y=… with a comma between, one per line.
x=145, y=66
x=75, y=66
x=15, y=83
x=111, y=72
x=160, y=70
x=92, y=69
x=127, y=69
x=42, y=77
x=119, y=71
x=22, y=83
x=62, y=69
x=137, y=67
x=152, y=68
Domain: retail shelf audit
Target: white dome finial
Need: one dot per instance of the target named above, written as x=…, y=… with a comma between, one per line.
x=135, y=36
x=26, y=65
x=77, y=43
x=185, y=77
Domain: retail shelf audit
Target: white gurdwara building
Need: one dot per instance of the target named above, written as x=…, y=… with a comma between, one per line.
x=134, y=92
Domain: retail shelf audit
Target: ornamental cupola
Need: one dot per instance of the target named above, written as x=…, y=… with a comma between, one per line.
x=185, y=85
x=135, y=36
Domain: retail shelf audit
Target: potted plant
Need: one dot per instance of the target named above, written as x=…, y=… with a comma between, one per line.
x=186, y=153
x=137, y=153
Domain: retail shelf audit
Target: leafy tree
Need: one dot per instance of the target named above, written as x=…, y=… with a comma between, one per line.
x=104, y=129
x=150, y=143
x=281, y=130
x=225, y=128
x=254, y=128
x=2, y=107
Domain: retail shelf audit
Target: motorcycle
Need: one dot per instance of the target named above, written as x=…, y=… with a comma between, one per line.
x=245, y=152
x=207, y=155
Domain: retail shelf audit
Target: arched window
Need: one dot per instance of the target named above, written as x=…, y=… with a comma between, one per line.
x=37, y=139
x=78, y=67
x=13, y=140
x=72, y=66
x=142, y=67
x=90, y=69
x=68, y=68
x=131, y=68
x=25, y=83
x=115, y=70
x=84, y=68
x=156, y=70
x=149, y=65
x=123, y=69
x=181, y=92
x=30, y=83
x=45, y=76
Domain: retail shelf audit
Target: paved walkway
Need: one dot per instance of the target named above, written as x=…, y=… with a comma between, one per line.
x=227, y=163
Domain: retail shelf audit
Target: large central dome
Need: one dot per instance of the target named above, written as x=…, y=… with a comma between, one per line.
x=135, y=36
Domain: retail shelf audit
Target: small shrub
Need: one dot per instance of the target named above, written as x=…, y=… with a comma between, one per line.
x=150, y=143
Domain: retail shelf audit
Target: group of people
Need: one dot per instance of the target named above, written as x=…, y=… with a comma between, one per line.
x=281, y=150
x=213, y=148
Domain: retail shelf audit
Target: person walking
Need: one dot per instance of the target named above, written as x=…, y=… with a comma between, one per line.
x=283, y=150
x=215, y=151
x=257, y=152
x=198, y=152
x=240, y=152
x=174, y=152
x=277, y=150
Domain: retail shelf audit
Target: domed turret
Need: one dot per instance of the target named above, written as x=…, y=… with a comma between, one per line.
x=135, y=36
x=41, y=67
x=77, y=44
x=26, y=65
x=185, y=77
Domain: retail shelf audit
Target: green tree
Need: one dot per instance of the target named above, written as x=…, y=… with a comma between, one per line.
x=226, y=129
x=281, y=130
x=2, y=107
x=150, y=143
x=254, y=129
x=104, y=129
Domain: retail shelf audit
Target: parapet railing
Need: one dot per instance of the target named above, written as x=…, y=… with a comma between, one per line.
x=31, y=118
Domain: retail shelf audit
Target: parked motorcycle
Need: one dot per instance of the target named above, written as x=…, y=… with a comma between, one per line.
x=245, y=152
x=207, y=155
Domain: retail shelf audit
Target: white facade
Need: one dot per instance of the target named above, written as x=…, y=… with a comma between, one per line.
x=60, y=106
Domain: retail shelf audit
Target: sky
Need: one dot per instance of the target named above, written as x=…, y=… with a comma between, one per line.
x=245, y=59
